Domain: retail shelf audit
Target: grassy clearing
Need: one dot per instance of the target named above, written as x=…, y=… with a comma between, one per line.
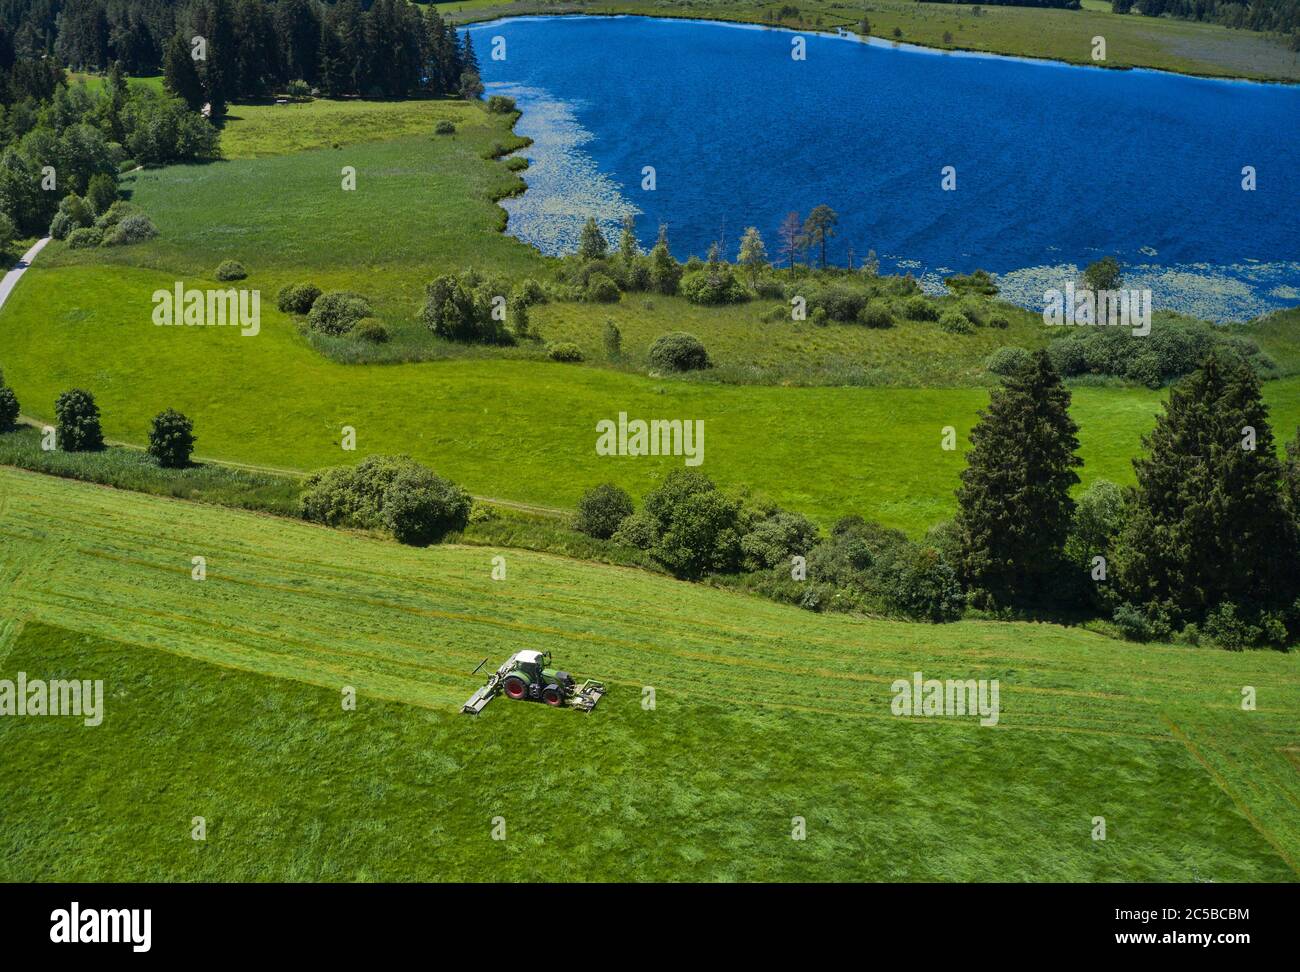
x=763, y=713
x=1064, y=35
x=95, y=82
x=257, y=131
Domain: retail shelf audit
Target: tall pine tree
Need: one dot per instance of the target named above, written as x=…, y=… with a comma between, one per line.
x=1014, y=505
x=1209, y=524
x=180, y=76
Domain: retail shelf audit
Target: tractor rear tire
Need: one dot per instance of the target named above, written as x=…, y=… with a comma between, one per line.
x=515, y=687
x=552, y=695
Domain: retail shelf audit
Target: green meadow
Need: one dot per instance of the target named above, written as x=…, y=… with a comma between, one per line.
x=506, y=424
x=223, y=700
x=517, y=430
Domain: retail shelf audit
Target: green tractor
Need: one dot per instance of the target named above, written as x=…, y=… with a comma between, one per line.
x=526, y=675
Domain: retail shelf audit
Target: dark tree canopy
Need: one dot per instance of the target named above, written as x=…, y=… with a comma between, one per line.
x=1014, y=506
x=1209, y=523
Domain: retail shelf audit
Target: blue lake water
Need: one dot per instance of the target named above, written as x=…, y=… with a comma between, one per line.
x=1056, y=165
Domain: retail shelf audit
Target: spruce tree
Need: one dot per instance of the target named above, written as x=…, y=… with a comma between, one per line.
x=1014, y=505
x=468, y=59
x=627, y=248
x=180, y=77
x=1209, y=524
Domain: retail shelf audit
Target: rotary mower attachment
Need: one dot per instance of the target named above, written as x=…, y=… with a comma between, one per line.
x=525, y=675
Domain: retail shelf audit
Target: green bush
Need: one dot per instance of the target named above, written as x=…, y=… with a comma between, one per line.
x=1137, y=624
x=114, y=214
x=500, y=104
x=636, y=530
x=392, y=493
x=774, y=540
x=920, y=584
x=920, y=308
x=338, y=311
x=601, y=509
x=713, y=285
x=373, y=330
x=530, y=292
x=835, y=302
x=9, y=409
x=73, y=214
x=135, y=228
x=875, y=315
x=1225, y=628
x=171, y=439
x=1007, y=361
x=955, y=322
x=699, y=536
x=678, y=351
x=231, y=270
x=85, y=238
x=420, y=508
x=565, y=351
x=297, y=298
x=444, y=127
x=601, y=289
x=77, y=418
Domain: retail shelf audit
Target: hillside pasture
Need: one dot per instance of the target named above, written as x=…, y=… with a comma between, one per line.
x=223, y=699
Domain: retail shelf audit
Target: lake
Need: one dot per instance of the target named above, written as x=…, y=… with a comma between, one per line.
x=1055, y=165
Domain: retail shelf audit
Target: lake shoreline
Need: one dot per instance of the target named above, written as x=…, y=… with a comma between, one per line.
x=1164, y=278
x=870, y=39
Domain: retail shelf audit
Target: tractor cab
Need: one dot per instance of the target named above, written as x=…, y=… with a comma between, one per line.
x=531, y=664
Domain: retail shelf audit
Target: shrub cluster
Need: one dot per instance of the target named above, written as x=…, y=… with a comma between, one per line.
x=390, y=493
x=338, y=312
x=1175, y=347
x=465, y=308
x=694, y=529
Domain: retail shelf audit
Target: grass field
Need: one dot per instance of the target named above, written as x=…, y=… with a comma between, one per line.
x=518, y=430
x=1065, y=35
x=223, y=701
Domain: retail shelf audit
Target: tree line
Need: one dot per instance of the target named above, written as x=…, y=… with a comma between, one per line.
x=1280, y=16
x=251, y=48
x=1207, y=544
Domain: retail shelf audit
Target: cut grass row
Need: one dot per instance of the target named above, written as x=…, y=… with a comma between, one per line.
x=224, y=700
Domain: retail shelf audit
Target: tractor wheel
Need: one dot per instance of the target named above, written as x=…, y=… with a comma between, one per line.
x=514, y=687
x=552, y=695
